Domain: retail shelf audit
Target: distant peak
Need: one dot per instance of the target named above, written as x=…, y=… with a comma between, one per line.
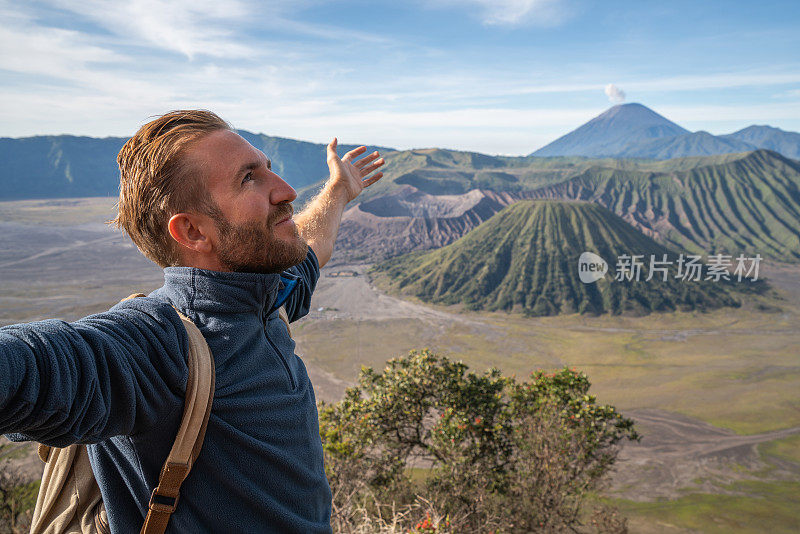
x=756, y=127
x=612, y=132
x=631, y=107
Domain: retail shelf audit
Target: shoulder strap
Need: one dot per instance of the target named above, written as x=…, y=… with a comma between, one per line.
x=192, y=431
x=285, y=318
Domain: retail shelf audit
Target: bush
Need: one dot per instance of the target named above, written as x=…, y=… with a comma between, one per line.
x=428, y=447
x=17, y=497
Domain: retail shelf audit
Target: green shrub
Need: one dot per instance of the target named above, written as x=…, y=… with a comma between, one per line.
x=496, y=454
x=17, y=498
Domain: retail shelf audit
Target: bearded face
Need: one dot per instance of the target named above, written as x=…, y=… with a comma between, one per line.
x=254, y=247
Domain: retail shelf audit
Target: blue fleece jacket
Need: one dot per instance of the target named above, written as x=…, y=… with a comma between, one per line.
x=116, y=380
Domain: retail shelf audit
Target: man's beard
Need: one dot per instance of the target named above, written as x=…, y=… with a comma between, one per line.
x=253, y=247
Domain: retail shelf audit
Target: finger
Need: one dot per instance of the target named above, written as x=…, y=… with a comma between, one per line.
x=332, y=148
x=366, y=159
x=353, y=153
x=369, y=168
x=372, y=179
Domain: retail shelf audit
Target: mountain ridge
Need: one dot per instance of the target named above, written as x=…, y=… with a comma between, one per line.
x=771, y=138
x=634, y=130
x=699, y=143
x=525, y=259
x=732, y=203
x=748, y=204
x=70, y=166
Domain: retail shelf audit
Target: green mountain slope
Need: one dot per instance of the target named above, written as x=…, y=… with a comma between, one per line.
x=746, y=204
x=438, y=171
x=731, y=203
x=728, y=203
x=525, y=258
x=300, y=163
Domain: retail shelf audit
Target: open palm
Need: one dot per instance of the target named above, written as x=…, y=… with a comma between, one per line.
x=354, y=174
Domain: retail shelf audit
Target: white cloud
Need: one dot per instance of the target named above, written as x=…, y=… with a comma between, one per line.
x=101, y=75
x=75, y=75
x=791, y=93
x=514, y=12
x=189, y=27
x=49, y=52
x=212, y=28
x=699, y=115
x=615, y=94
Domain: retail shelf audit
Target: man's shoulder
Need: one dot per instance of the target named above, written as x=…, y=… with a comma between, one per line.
x=147, y=313
x=154, y=305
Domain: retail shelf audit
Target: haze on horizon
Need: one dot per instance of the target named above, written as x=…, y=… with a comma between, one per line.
x=490, y=76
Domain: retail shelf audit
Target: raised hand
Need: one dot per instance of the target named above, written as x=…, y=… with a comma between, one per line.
x=353, y=175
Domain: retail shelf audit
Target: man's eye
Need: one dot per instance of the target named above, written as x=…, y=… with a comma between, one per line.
x=247, y=177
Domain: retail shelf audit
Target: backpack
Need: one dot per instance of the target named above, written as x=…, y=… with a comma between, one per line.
x=69, y=500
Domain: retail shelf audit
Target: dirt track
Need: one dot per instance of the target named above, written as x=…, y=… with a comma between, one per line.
x=353, y=297
x=676, y=452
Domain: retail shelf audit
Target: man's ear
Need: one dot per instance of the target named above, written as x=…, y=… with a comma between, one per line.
x=191, y=230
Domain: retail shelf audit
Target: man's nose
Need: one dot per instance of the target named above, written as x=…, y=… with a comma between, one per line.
x=281, y=192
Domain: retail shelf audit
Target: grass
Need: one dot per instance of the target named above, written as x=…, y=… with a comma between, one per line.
x=26, y=494
x=738, y=369
x=757, y=508
x=342, y=346
x=785, y=449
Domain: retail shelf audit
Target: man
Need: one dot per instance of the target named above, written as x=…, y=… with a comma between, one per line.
x=204, y=204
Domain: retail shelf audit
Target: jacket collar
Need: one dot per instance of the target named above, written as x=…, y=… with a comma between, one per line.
x=207, y=291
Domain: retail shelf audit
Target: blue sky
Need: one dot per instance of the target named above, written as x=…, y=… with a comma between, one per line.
x=495, y=76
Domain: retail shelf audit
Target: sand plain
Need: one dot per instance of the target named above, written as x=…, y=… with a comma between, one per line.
x=715, y=395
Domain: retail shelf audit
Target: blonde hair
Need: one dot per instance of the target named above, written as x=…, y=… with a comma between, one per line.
x=156, y=182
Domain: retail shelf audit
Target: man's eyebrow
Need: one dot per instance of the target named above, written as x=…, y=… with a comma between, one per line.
x=248, y=167
x=252, y=166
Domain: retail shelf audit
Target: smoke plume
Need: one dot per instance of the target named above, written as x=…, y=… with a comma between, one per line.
x=615, y=94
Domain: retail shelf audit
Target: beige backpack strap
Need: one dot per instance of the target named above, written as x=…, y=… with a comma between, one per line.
x=186, y=448
x=285, y=318
x=44, y=452
x=68, y=495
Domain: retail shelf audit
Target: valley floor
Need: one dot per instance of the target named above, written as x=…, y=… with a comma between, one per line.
x=713, y=394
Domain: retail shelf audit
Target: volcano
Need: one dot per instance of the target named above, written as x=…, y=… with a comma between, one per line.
x=613, y=132
x=525, y=259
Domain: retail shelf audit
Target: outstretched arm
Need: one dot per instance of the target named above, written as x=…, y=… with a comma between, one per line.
x=319, y=222
x=110, y=374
